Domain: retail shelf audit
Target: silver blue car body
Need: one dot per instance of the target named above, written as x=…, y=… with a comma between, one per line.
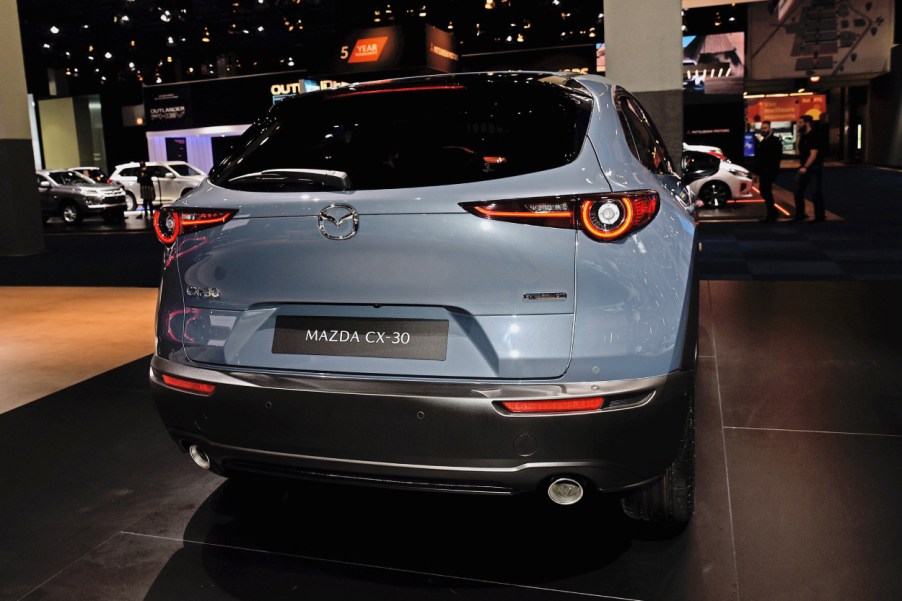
x=384, y=335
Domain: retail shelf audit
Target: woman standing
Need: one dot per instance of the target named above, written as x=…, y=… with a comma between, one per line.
x=145, y=181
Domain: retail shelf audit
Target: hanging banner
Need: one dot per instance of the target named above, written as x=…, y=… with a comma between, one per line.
x=803, y=38
x=386, y=49
x=788, y=109
x=168, y=108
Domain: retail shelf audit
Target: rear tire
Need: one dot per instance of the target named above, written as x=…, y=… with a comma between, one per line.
x=671, y=498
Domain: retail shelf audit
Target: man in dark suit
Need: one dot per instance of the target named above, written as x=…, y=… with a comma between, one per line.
x=768, y=154
x=812, y=148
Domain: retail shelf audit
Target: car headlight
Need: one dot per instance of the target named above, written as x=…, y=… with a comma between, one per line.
x=739, y=172
x=92, y=198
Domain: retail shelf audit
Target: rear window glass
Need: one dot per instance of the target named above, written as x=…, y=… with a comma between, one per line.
x=69, y=178
x=184, y=169
x=424, y=132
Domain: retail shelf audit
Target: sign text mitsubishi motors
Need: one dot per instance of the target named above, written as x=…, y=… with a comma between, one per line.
x=421, y=48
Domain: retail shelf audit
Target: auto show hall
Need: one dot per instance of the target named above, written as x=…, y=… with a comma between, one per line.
x=799, y=447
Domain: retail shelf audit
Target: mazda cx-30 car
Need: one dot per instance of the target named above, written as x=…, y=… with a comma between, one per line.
x=72, y=196
x=476, y=283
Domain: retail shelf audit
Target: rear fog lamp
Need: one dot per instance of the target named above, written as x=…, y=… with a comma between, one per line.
x=559, y=406
x=189, y=385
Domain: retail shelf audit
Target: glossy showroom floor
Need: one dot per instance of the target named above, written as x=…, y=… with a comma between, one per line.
x=799, y=447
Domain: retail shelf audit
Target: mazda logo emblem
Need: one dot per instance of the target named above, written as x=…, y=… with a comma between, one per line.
x=338, y=222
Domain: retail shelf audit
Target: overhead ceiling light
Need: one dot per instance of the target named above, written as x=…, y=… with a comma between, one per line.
x=54, y=29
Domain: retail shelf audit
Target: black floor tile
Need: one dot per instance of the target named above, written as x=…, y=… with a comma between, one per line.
x=816, y=515
x=809, y=355
x=783, y=269
x=76, y=467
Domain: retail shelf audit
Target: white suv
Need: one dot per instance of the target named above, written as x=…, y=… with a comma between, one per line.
x=172, y=179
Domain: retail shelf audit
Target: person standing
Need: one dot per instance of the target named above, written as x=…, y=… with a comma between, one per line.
x=768, y=154
x=812, y=148
x=145, y=181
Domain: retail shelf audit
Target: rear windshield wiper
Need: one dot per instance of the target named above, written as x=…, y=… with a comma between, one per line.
x=292, y=180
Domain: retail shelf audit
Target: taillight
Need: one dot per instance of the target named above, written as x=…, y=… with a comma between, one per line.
x=169, y=223
x=603, y=217
x=189, y=385
x=554, y=406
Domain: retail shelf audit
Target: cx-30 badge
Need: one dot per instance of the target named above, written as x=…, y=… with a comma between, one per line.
x=338, y=222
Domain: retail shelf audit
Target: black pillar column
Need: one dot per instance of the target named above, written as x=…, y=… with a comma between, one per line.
x=21, y=226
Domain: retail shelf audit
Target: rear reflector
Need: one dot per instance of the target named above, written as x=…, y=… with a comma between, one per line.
x=189, y=385
x=587, y=404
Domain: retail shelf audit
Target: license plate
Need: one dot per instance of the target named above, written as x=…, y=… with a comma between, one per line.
x=361, y=337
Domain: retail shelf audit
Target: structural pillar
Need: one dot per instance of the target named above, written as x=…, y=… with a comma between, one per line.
x=644, y=54
x=21, y=226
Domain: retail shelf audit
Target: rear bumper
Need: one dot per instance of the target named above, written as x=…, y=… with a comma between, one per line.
x=429, y=435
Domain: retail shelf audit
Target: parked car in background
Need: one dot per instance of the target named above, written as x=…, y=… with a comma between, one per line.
x=172, y=179
x=715, y=150
x=472, y=283
x=72, y=197
x=731, y=182
x=94, y=173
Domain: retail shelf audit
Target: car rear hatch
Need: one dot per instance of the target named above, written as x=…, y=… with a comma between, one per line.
x=389, y=277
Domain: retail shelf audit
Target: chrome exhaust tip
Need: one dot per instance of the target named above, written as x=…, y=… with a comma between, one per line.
x=565, y=491
x=199, y=457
